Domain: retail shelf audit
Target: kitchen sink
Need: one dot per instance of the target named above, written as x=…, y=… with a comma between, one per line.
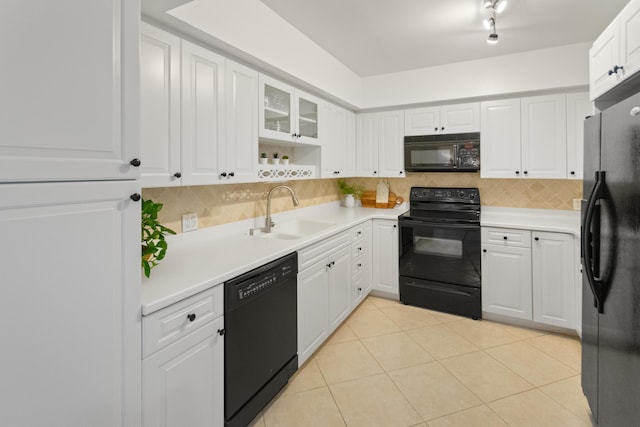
x=279, y=236
x=295, y=229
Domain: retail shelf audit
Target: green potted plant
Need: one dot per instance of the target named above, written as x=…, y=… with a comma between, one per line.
x=285, y=160
x=275, y=159
x=351, y=192
x=154, y=246
x=263, y=158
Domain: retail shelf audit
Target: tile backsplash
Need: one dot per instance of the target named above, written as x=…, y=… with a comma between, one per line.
x=220, y=204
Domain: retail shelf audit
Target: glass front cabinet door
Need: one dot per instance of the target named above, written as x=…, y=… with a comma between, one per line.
x=287, y=114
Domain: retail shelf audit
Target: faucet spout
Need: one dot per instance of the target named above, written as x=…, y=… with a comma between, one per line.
x=268, y=223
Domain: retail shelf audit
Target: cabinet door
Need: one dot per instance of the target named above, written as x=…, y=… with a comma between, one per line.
x=385, y=257
x=69, y=112
x=70, y=262
x=334, y=148
x=339, y=287
x=202, y=114
x=391, y=144
x=422, y=121
x=276, y=101
x=460, y=118
x=183, y=384
x=367, y=144
x=544, y=136
x=313, y=309
x=500, y=139
x=350, y=142
x=307, y=117
x=553, y=279
x=241, y=145
x=630, y=39
x=603, y=56
x=506, y=281
x=578, y=108
x=159, y=107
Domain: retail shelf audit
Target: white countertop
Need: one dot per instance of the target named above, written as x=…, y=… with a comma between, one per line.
x=198, y=260
x=201, y=259
x=560, y=221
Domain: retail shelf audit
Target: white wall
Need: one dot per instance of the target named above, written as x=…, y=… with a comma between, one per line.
x=252, y=27
x=544, y=69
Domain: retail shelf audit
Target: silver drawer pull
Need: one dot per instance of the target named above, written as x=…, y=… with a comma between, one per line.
x=635, y=111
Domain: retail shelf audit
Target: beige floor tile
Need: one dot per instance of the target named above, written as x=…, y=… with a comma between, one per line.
x=441, y=342
x=408, y=317
x=307, y=378
x=433, y=391
x=480, y=416
x=373, y=401
x=569, y=394
x=346, y=361
x=366, y=305
x=482, y=333
x=308, y=408
x=257, y=421
x=343, y=334
x=372, y=323
x=487, y=378
x=395, y=351
x=384, y=302
x=522, y=332
x=535, y=409
x=562, y=347
x=534, y=365
x=446, y=317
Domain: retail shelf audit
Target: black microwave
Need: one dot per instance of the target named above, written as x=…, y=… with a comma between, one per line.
x=456, y=152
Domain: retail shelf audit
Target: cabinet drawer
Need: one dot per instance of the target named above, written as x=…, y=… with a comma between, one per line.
x=506, y=236
x=357, y=249
x=168, y=325
x=357, y=232
x=311, y=254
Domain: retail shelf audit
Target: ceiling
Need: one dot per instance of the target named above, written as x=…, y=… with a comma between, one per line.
x=374, y=37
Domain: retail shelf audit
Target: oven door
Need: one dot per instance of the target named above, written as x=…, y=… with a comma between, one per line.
x=440, y=252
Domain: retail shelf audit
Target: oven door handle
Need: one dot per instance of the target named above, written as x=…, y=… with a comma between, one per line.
x=413, y=222
x=446, y=289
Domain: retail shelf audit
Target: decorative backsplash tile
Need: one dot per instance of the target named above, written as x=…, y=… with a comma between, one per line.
x=221, y=204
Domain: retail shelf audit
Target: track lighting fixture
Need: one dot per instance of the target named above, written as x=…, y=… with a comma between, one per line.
x=494, y=6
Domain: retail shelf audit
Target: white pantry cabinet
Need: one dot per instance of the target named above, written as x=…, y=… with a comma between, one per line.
x=379, y=144
x=183, y=365
x=69, y=113
x=385, y=273
x=615, y=54
x=288, y=114
x=529, y=275
x=70, y=262
x=445, y=119
x=159, y=107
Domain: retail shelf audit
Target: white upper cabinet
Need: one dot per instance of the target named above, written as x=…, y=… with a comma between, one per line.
x=457, y=118
x=334, y=142
x=544, y=136
x=69, y=90
x=578, y=108
x=287, y=114
x=240, y=148
x=379, y=144
x=615, y=55
x=202, y=114
x=159, y=107
x=351, y=144
x=500, y=139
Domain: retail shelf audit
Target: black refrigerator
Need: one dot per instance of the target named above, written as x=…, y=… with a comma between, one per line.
x=610, y=248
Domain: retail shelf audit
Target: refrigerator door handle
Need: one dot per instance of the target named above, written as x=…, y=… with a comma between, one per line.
x=591, y=241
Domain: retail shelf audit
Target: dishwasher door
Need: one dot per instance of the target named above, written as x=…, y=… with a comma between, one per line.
x=260, y=336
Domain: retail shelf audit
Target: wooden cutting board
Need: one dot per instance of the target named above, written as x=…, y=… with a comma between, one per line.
x=368, y=200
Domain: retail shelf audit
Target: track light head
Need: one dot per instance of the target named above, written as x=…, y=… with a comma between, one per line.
x=493, y=38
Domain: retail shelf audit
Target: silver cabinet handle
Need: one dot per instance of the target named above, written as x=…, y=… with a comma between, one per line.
x=635, y=111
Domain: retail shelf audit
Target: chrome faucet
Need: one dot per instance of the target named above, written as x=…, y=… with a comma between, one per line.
x=268, y=223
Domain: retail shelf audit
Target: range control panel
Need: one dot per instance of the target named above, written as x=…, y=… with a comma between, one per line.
x=434, y=194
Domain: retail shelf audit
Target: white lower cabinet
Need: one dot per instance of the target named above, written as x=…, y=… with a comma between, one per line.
x=182, y=366
x=529, y=275
x=362, y=260
x=385, y=257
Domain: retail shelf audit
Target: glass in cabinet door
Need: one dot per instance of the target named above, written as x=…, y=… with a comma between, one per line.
x=307, y=118
x=277, y=111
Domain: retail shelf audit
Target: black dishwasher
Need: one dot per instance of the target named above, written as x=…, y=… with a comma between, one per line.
x=261, y=337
